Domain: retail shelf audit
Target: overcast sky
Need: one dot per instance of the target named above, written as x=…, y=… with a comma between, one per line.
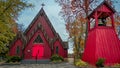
x=52, y=10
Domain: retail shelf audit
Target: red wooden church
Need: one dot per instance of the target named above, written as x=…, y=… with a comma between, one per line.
x=39, y=41
x=102, y=40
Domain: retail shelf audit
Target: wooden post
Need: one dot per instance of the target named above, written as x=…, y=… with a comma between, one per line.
x=96, y=19
x=112, y=19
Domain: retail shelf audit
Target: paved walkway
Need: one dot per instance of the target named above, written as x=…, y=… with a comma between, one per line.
x=51, y=65
x=68, y=64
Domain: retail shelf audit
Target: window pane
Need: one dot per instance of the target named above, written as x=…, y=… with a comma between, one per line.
x=57, y=49
x=38, y=39
x=18, y=50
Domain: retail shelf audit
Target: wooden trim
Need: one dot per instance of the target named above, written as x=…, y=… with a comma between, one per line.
x=96, y=19
x=112, y=19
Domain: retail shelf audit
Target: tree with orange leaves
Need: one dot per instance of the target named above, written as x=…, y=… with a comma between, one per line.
x=74, y=12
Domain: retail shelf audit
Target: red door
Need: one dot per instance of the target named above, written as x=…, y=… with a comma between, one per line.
x=37, y=51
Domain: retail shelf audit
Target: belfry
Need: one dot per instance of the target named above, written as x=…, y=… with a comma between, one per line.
x=102, y=40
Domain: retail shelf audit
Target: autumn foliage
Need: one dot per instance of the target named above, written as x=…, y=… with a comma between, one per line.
x=74, y=12
x=9, y=12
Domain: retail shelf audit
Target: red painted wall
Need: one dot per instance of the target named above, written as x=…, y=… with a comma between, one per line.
x=44, y=24
x=47, y=50
x=14, y=46
x=65, y=53
x=102, y=42
x=61, y=51
x=104, y=8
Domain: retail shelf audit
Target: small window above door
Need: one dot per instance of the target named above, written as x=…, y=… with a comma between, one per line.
x=38, y=39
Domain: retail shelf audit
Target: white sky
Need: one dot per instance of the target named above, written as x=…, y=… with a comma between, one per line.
x=52, y=10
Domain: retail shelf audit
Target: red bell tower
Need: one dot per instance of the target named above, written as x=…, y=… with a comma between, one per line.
x=102, y=40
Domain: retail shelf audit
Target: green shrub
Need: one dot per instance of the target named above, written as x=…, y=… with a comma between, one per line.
x=8, y=59
x=100, y=62
x=80, y=63
x=13, y=59
x=56, y=58
x=16, y=59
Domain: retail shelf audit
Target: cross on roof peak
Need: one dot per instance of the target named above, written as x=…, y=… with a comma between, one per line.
x=42, y=4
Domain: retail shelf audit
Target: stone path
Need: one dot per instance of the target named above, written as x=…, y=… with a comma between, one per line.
x=51, y=65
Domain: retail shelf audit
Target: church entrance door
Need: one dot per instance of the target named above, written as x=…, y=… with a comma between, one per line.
x=37, y=51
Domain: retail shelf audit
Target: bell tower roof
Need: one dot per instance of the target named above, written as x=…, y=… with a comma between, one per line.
x=103, y=7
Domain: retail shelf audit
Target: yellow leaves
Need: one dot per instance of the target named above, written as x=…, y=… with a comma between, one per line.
x=76, y=28
x=117, y=19
x=117, y=22
x=9, y=11
x=76, y=31
x=82, y=19
x=82, y=43
x=80, y=63
x=2, y=27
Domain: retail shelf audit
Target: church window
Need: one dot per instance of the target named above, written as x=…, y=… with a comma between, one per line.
x=38, y=39
x=18, y=50
x=57, y=50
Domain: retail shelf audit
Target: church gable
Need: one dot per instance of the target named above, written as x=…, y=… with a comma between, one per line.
x=40, y=34
x=41, y=21
x=18, y=43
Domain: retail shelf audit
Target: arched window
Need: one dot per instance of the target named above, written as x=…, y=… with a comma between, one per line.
x=57, y=50
x=18, y=50
x=38, y=39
